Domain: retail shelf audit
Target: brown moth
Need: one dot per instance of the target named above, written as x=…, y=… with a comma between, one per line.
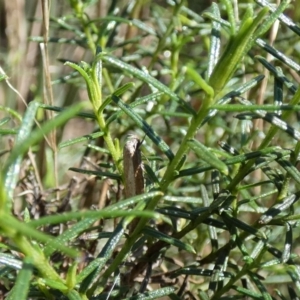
x=133, y=167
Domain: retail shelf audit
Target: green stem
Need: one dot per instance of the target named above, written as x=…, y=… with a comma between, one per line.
x=78, y=8
x=196, y=122
x=102, y=124
x=114, y=152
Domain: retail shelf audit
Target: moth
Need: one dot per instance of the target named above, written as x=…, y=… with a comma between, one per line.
x=133, y=167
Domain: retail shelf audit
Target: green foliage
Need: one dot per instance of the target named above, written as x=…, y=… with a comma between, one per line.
x=219, y=212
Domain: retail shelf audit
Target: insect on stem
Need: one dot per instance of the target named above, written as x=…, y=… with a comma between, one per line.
x=133, y=167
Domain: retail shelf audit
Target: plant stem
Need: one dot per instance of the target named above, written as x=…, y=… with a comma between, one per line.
x=79, y=10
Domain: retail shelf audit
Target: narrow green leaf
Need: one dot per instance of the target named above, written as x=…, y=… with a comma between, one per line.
x=69, y=234
x=195, y=76
x=11, y=112
x=212, y=231
x=106, y=254
x=89, y=269
x=279, y=75
x=105, y=151
x=146, y=99
x=211, y=16
x=57, y=285
x=249, y=12
x=276, y=14
x=231, y=16
x=278, y=208
x=215, y=42
x=74, y=295
x=175, y=114
x=194, y=270
x=59, y=40
x=286, y=253
x=294, y=272
x=177, y=212
x=151, y=174
x=14, y=161
x=119, y=92
x=87, y=137
x=254, y=107
x=205, y=154
x=65, y=217
x=229, y=149
x=157, y=294
x=260, y=286
x=145, y=127
x=4, y=131
x=10, y=261
x=181, y=163
x=61, y=109
x=179, y=199
x=4, y=121
x=21, y=287
x=97, y=173
x=272, y=262
x=95, y=236
x=290, y=168
x=86, y=77
x=279, y=55
x=145, y=77
x=258, y=249
x=71, y=275
x=217, y=278
x=278, y=95
x=131, y=22
x=241, y=225
x=131, y=201
x=247, y=292
x=168, y=239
